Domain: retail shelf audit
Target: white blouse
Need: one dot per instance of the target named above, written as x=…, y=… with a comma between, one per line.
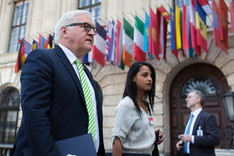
x=135, y=132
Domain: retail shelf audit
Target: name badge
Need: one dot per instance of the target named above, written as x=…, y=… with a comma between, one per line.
x=199, y=131
x=151, y=120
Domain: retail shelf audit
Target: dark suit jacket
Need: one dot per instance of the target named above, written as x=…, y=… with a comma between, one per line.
x=204, y=145
x=53, y=103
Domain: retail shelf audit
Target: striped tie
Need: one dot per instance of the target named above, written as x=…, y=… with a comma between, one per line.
x=88, y=99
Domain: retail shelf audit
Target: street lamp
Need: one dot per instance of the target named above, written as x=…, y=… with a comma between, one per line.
x=228, y=102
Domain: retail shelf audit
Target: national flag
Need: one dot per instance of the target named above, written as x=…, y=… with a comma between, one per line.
x=84, y=59
x=193, y=28
x=21, y=57
x=201, y=27
x=108, y=40
x=98, y=52
x=223, y=23
x=186, y=33
x=232, y=15
x=90, y=59
x=53, y=45
x=205, y=6
x=27, y=47
x=34, y=45
x=153, y=49
x=216, y=28
x=41, y=41
x=173, y=41
x=50, y=42
x=138, y=52
x=159, y=38
x=146, y=32
x=161, y=53
x=163, y=15
x=119, y=44
x=128, y=32
x=146, y=35
x=178, y=28
x=45, y=46
x=185, y=27
x=215, y=23
x=190, y=50
x=112, y=43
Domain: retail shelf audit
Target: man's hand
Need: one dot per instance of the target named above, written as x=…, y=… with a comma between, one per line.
x=179, y=145
x=186, y=138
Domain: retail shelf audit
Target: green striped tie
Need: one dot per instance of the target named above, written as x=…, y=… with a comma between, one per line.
x=88, y=99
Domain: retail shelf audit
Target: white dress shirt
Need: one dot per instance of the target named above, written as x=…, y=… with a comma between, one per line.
x=195, y=114
x=71, y=57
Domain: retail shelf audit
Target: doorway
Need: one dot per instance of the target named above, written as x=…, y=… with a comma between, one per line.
x=211, y=81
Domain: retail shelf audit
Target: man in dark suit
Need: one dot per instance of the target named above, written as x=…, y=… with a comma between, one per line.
x=201, y=132
x=52, y=98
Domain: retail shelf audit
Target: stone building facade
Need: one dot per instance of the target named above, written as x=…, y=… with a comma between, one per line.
x=211, y=72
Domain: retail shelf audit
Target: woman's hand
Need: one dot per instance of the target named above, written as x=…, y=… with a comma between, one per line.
x=161, y=136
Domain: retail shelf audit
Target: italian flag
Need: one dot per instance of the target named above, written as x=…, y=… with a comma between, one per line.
x=128, y=32
x=139, y=54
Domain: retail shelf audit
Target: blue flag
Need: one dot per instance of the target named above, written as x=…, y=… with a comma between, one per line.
x=27, y=47
x=172, y=20
x=146, y=32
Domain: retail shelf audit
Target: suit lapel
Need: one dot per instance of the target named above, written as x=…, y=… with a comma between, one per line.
x=70, y=69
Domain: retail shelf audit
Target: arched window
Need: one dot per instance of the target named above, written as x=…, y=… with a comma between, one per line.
x=9, y=107
x=202, y=83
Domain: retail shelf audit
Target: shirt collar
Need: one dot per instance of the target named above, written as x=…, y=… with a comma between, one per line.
x=196, y=112
x=71, y=57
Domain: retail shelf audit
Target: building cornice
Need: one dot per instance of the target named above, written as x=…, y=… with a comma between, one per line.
x=8, y=58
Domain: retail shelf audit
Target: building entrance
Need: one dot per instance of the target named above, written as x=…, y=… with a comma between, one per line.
x=211, y=81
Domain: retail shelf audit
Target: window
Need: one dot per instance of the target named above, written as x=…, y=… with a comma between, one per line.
x=93, y=6
x=9, y=107
x=18, y=27
x=202, y=83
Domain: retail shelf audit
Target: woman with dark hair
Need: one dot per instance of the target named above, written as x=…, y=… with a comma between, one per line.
x=133, y=130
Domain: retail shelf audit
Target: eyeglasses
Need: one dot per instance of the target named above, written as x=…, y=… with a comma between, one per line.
x=87, y=26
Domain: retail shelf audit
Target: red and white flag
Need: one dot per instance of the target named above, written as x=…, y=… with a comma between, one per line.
x=99, y=44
